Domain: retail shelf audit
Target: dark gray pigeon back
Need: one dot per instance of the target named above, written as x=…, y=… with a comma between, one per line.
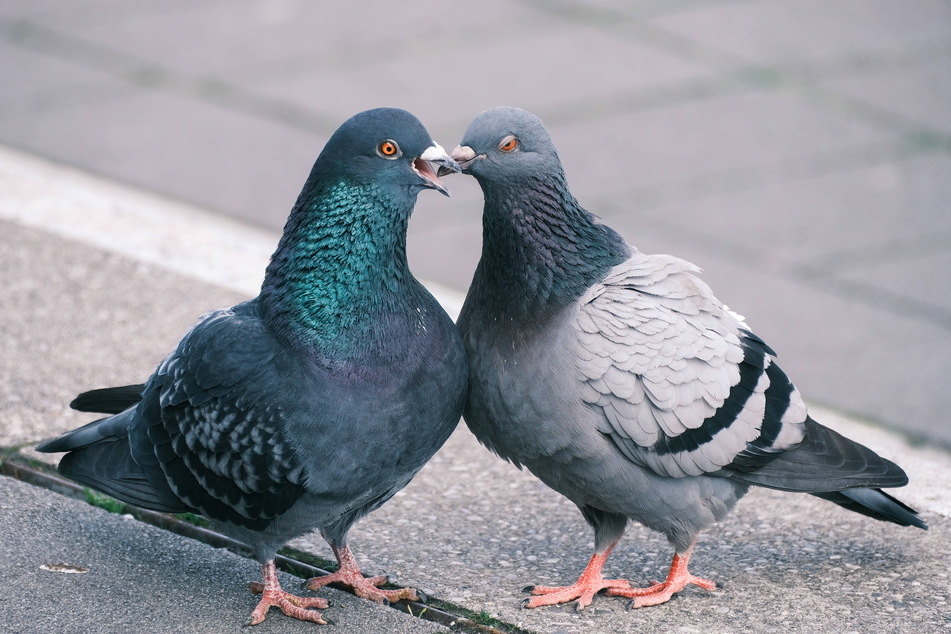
x=620, y=380
x=312, y=404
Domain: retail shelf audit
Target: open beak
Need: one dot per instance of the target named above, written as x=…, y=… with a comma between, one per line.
x=423, y=166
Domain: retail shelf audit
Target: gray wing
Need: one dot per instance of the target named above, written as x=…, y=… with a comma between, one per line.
x=213, y=420
x=681, y=385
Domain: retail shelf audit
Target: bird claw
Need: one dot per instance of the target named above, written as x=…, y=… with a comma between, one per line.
x=588, y=584
x=660, y=592
x=364, y=587
x=272, y=595
x=583, y=590
x=291, y=605
x=528, y=588
x=677, y=579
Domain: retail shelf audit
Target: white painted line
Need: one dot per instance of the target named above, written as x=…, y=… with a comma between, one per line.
x=134, y=223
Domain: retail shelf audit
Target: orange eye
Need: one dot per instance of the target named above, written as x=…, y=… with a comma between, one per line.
x=509, y=143
x=388, y=149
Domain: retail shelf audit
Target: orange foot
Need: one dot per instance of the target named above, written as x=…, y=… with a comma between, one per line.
x=291, y=605
x=588, y=584
x=364, y=587
x=677, y=579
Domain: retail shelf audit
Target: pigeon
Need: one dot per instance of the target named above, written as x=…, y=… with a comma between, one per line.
x=620, y=381
x=312, y=404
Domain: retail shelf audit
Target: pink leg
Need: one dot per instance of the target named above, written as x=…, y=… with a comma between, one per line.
x=588, y=584
x=677, y=579
x=272, y=595
x=364, y=587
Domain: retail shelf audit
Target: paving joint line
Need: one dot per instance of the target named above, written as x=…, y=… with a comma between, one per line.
x=884, y=299
x=628, y=27
x=813, y=276
x=350, y=57
x=150, y=76
x=747, y=178
x=418, y=609
x=892, y=251
x=739, y=78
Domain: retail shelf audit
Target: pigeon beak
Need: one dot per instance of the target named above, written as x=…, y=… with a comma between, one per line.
x=423, y=166
x=465, y=156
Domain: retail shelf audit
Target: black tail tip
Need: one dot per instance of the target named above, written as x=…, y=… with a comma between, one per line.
x=47, y=446
x=877, y=504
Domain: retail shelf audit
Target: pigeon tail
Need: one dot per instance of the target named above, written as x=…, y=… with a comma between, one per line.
x=825, y=461
x=834, y=468
x=108, y=400
x=877, y=504
x=101, y=430
x=109, y=468
x=100, y=457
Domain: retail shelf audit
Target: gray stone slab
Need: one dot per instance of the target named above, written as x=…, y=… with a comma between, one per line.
x=444, y=241
x=533, y=68
x=777, y=32
x=921, y=93
x=72, y=14
x=33, y=82
x=221, y=158
x=447, y=255
x=140, y=578
x=596, y=10
x=824, y=222
x=684, y=141
x=203, y=38
x=924, y=277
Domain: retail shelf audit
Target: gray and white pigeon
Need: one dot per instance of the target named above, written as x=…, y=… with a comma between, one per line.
x=619, y=379
x=310, y=405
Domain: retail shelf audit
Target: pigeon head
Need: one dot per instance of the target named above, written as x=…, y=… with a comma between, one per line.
x=385, y=147
x=507, y=145
x=343, y=252
x=540, y=248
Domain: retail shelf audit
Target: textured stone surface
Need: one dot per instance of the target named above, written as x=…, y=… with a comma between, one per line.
x=138, y=577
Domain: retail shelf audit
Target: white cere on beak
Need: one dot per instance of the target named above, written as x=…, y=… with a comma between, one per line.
x=434, y=152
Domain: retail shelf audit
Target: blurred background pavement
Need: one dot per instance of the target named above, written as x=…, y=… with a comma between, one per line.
x=798, y=151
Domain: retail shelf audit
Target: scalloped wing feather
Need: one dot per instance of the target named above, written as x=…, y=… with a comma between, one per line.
x=682, y=386
x=215, y=422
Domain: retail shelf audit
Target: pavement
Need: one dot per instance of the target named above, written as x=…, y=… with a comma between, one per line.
x=800, y=152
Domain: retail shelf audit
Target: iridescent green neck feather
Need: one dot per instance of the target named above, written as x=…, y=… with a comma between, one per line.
x=340, y=267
